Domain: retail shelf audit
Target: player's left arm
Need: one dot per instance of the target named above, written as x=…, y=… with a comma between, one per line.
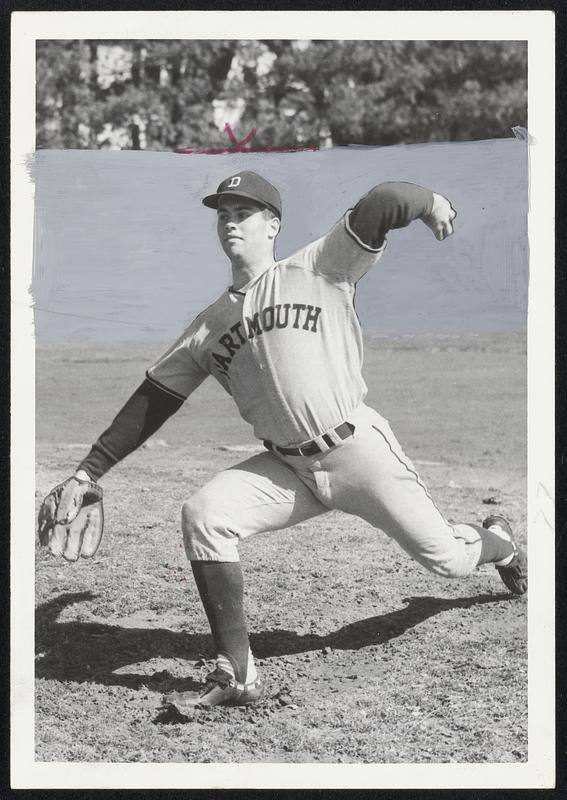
x=395, y=205
x=358, y=240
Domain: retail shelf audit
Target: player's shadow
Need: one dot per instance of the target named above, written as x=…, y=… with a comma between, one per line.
x=95, y=652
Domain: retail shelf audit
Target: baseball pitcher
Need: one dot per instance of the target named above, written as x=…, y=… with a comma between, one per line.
x=285, y=342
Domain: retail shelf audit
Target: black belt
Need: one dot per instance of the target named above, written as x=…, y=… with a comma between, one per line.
x=343, y=431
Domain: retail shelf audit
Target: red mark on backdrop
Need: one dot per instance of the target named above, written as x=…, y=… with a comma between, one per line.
x=242, y=146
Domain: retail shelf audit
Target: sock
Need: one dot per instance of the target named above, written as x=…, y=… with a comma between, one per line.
x=251, y=673
x=496, y=546
x=221, y=588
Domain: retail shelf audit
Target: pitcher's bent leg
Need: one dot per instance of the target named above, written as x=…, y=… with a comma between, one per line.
x=260, y=494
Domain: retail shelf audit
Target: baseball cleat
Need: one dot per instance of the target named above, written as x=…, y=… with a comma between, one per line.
x=220, y=689
x=515, y=574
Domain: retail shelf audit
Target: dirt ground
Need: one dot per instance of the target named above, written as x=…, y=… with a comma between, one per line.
x=367, y=657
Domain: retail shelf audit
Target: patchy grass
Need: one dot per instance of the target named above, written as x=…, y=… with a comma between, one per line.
x=367, y=657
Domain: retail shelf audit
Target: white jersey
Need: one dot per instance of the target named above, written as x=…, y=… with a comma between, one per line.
x=287, y=346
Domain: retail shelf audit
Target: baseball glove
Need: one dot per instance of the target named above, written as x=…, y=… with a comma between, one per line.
x=71, y=519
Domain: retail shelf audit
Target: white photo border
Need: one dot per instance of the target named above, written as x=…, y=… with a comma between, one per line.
x=535, y=27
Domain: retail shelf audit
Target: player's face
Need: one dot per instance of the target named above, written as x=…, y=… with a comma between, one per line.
x=244, y=230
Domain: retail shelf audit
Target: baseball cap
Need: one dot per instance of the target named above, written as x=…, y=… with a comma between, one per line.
x=250, y=185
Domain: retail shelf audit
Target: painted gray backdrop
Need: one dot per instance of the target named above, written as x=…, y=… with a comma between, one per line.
x=124, y=250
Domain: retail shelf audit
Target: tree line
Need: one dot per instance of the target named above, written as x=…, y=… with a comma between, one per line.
x=161, y=95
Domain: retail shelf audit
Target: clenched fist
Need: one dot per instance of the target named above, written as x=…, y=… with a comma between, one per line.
x=440, y=218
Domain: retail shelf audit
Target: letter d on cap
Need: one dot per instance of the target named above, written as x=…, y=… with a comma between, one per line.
x=235, y=181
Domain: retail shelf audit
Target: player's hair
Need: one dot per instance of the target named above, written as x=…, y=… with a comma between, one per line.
x=269, y=213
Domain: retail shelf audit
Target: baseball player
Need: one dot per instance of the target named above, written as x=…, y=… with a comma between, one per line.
x=285, y=341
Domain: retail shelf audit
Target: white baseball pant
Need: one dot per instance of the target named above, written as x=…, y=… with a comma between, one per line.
x=367, y=475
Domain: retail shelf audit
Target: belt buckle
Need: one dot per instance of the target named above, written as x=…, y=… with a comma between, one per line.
x=312, y=452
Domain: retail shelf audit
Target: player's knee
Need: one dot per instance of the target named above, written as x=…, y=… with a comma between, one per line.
x=458, y=563
x=196, y=515
x=455, y=556
x=205, y=534
x=450, y=569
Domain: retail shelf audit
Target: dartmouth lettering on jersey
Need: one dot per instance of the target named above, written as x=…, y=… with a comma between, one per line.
x=282, y=315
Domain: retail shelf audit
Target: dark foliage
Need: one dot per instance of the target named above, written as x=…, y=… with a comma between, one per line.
x=159, y=95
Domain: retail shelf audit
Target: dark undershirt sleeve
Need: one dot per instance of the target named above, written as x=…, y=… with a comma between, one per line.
x=143, y=414
x=388, y=206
